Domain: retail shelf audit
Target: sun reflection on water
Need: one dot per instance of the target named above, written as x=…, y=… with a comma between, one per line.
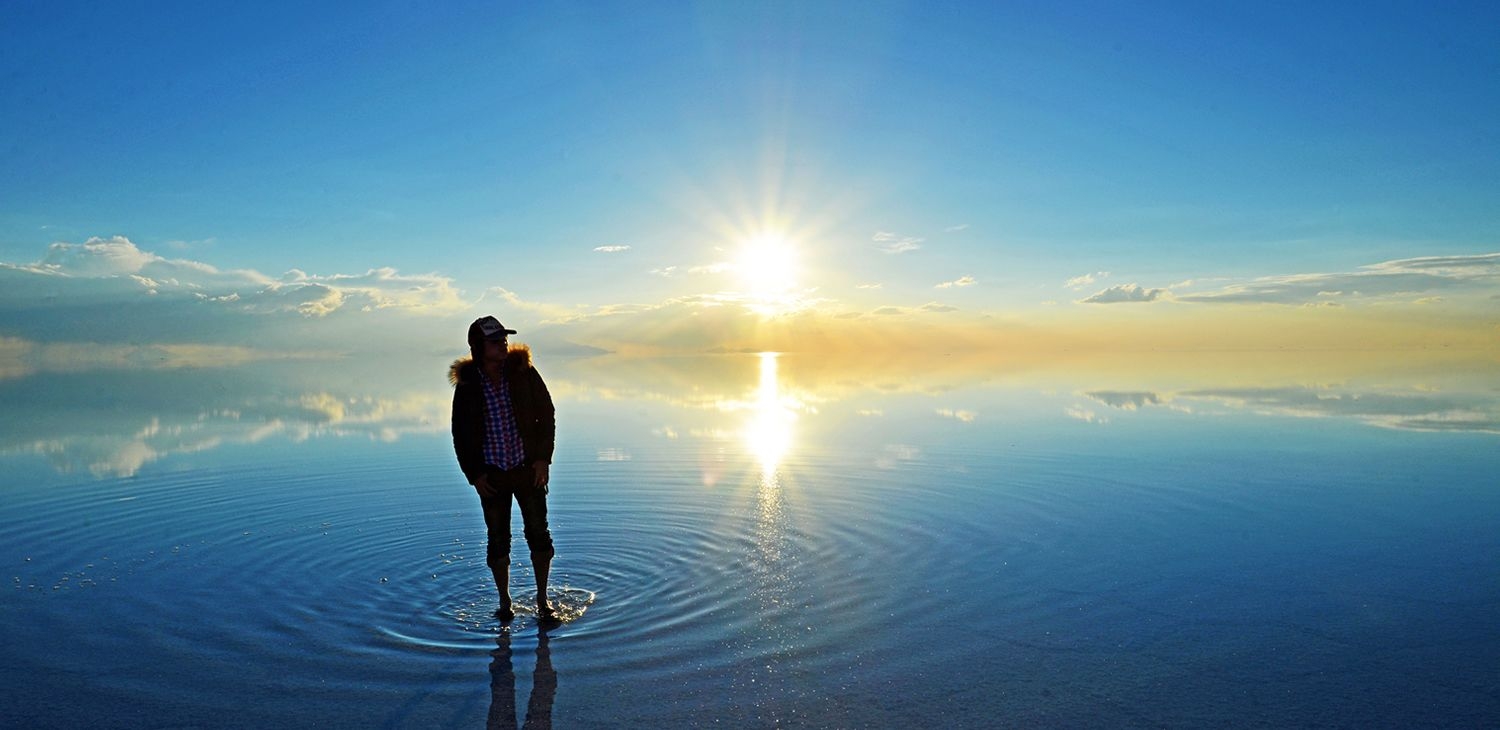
x=768, y=434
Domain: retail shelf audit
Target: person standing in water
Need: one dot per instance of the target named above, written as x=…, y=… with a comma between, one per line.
x=504, y=432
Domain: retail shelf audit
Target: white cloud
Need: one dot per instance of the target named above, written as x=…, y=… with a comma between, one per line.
x=1079, y=282
x=383, y=288
x=96, y=257
x=957, y=228
x=316, y=300
x=611, y=249
x=876, y=285
x=1463, y=267
x=896, y=243
x=1412, y=280
x=960, y=281
x=117, y=257
x=116, y=267
x=1400, y=278
x=936, y=307
x=107, y=291
x=1124, y=293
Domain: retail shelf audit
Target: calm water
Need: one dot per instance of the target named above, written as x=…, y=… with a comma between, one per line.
x=761, y=541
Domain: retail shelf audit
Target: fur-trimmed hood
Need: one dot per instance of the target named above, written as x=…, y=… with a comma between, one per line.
x=531, y=406
x=465, y=370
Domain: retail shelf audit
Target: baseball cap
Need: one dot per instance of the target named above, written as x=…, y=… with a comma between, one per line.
x=487, y=328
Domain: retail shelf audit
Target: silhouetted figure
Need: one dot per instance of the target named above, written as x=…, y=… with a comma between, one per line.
x=503, y=687
x=543, y=686
x=504, y=431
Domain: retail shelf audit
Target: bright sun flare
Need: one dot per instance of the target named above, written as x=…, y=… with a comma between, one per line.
x=767, y=264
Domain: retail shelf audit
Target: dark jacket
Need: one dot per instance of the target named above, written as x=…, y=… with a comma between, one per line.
x=529, y=400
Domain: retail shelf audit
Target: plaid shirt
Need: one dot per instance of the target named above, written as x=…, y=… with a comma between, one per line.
x=502, y=439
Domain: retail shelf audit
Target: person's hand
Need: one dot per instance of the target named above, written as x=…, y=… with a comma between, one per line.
x=482, y=485
x=541, y=474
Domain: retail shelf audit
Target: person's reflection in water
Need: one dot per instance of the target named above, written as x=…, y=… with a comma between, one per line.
x=503, y=686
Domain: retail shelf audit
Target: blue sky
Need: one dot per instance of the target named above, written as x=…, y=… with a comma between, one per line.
x=597, y=171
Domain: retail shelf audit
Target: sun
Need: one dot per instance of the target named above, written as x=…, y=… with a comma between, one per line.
x=767, y=266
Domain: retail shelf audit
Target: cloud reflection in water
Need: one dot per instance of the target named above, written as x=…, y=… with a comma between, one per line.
x=113, y=423
x=1403, y=409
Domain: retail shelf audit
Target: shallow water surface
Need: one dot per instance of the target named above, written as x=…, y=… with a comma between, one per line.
x=743, y=547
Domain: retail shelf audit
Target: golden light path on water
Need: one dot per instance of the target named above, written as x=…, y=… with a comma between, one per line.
x=768, y=435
